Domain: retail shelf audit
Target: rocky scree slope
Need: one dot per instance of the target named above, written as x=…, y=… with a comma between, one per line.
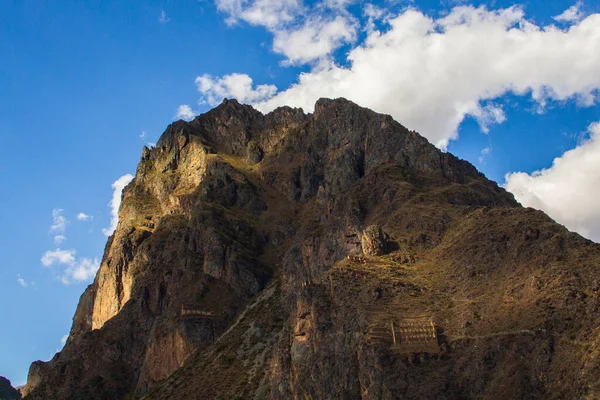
x=228, y=275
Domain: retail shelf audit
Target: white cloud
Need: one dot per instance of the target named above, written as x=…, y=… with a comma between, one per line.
x=484, y=152
x=430, y=74
x=76, y=269
x=23, y=282
x=82, y=271
x=268, y=13
x=58, y=239
x=143, y=134
x=571, y=14
x=58, y=256
x=301, y=33
x=84, y=217
x=338, y=4
x=63, y=340
x=115, y=202
x=163, y=19
x=185, y=112
x=372, y=11
x=59, y=222
x=488, y=115
x=316, y=39
x=239, y=86
x=569, y=190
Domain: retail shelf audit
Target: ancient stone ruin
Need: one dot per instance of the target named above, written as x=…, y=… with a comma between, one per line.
x=195, y=312
x=406, y=335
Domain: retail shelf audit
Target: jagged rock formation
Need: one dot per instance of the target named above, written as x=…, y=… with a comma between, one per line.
x=7, y=392
x=228, y=275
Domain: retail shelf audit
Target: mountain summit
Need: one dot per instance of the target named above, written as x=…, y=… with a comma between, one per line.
x=327, y=255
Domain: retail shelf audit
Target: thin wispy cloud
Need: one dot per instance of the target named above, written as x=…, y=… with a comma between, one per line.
x=59, y=226
x=115, y=202
x=572, y=14
x=59, y=222
x=163, y=19
x=483, y=154
x=24, y=283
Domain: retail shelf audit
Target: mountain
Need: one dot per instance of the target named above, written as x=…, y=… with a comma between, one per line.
x=327, y=255
x=7, y=392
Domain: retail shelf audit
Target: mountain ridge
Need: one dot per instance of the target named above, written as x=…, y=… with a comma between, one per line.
x=331, y=224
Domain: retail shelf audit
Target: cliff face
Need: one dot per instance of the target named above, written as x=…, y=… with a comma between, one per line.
x=284, y=256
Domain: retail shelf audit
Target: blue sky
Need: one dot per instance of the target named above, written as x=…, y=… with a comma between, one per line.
x=84, y=85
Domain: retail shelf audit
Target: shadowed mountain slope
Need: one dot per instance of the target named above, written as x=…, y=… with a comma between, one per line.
x=327, y=255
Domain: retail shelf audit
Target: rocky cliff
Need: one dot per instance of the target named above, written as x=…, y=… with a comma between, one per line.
x=327, y=255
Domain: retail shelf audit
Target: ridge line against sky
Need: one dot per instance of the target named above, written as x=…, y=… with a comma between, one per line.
x=431, y=74
x=512, y=87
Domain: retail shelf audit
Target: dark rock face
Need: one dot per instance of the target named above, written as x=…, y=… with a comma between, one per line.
x=7, y=392
x=228, y=274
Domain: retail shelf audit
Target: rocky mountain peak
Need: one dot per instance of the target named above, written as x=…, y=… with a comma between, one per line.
x=293, y=255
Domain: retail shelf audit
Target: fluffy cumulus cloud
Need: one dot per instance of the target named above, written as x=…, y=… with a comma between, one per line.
x=301, y=33
x=84, y=217
x=59, y=239
x=430, y=74
x=71, y=268
x=185, y=112
x=83, y=270
x=66, y=265
x=240, y=86
x=569, y=190
x=316, y=38
x=115, y=202
x=58, y=256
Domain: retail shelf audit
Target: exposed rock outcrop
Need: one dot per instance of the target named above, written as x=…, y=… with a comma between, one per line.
x=373, y=241
x=228, y=273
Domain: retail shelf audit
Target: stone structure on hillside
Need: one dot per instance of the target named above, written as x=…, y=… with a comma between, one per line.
x=406, y=335
x=195, y=312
